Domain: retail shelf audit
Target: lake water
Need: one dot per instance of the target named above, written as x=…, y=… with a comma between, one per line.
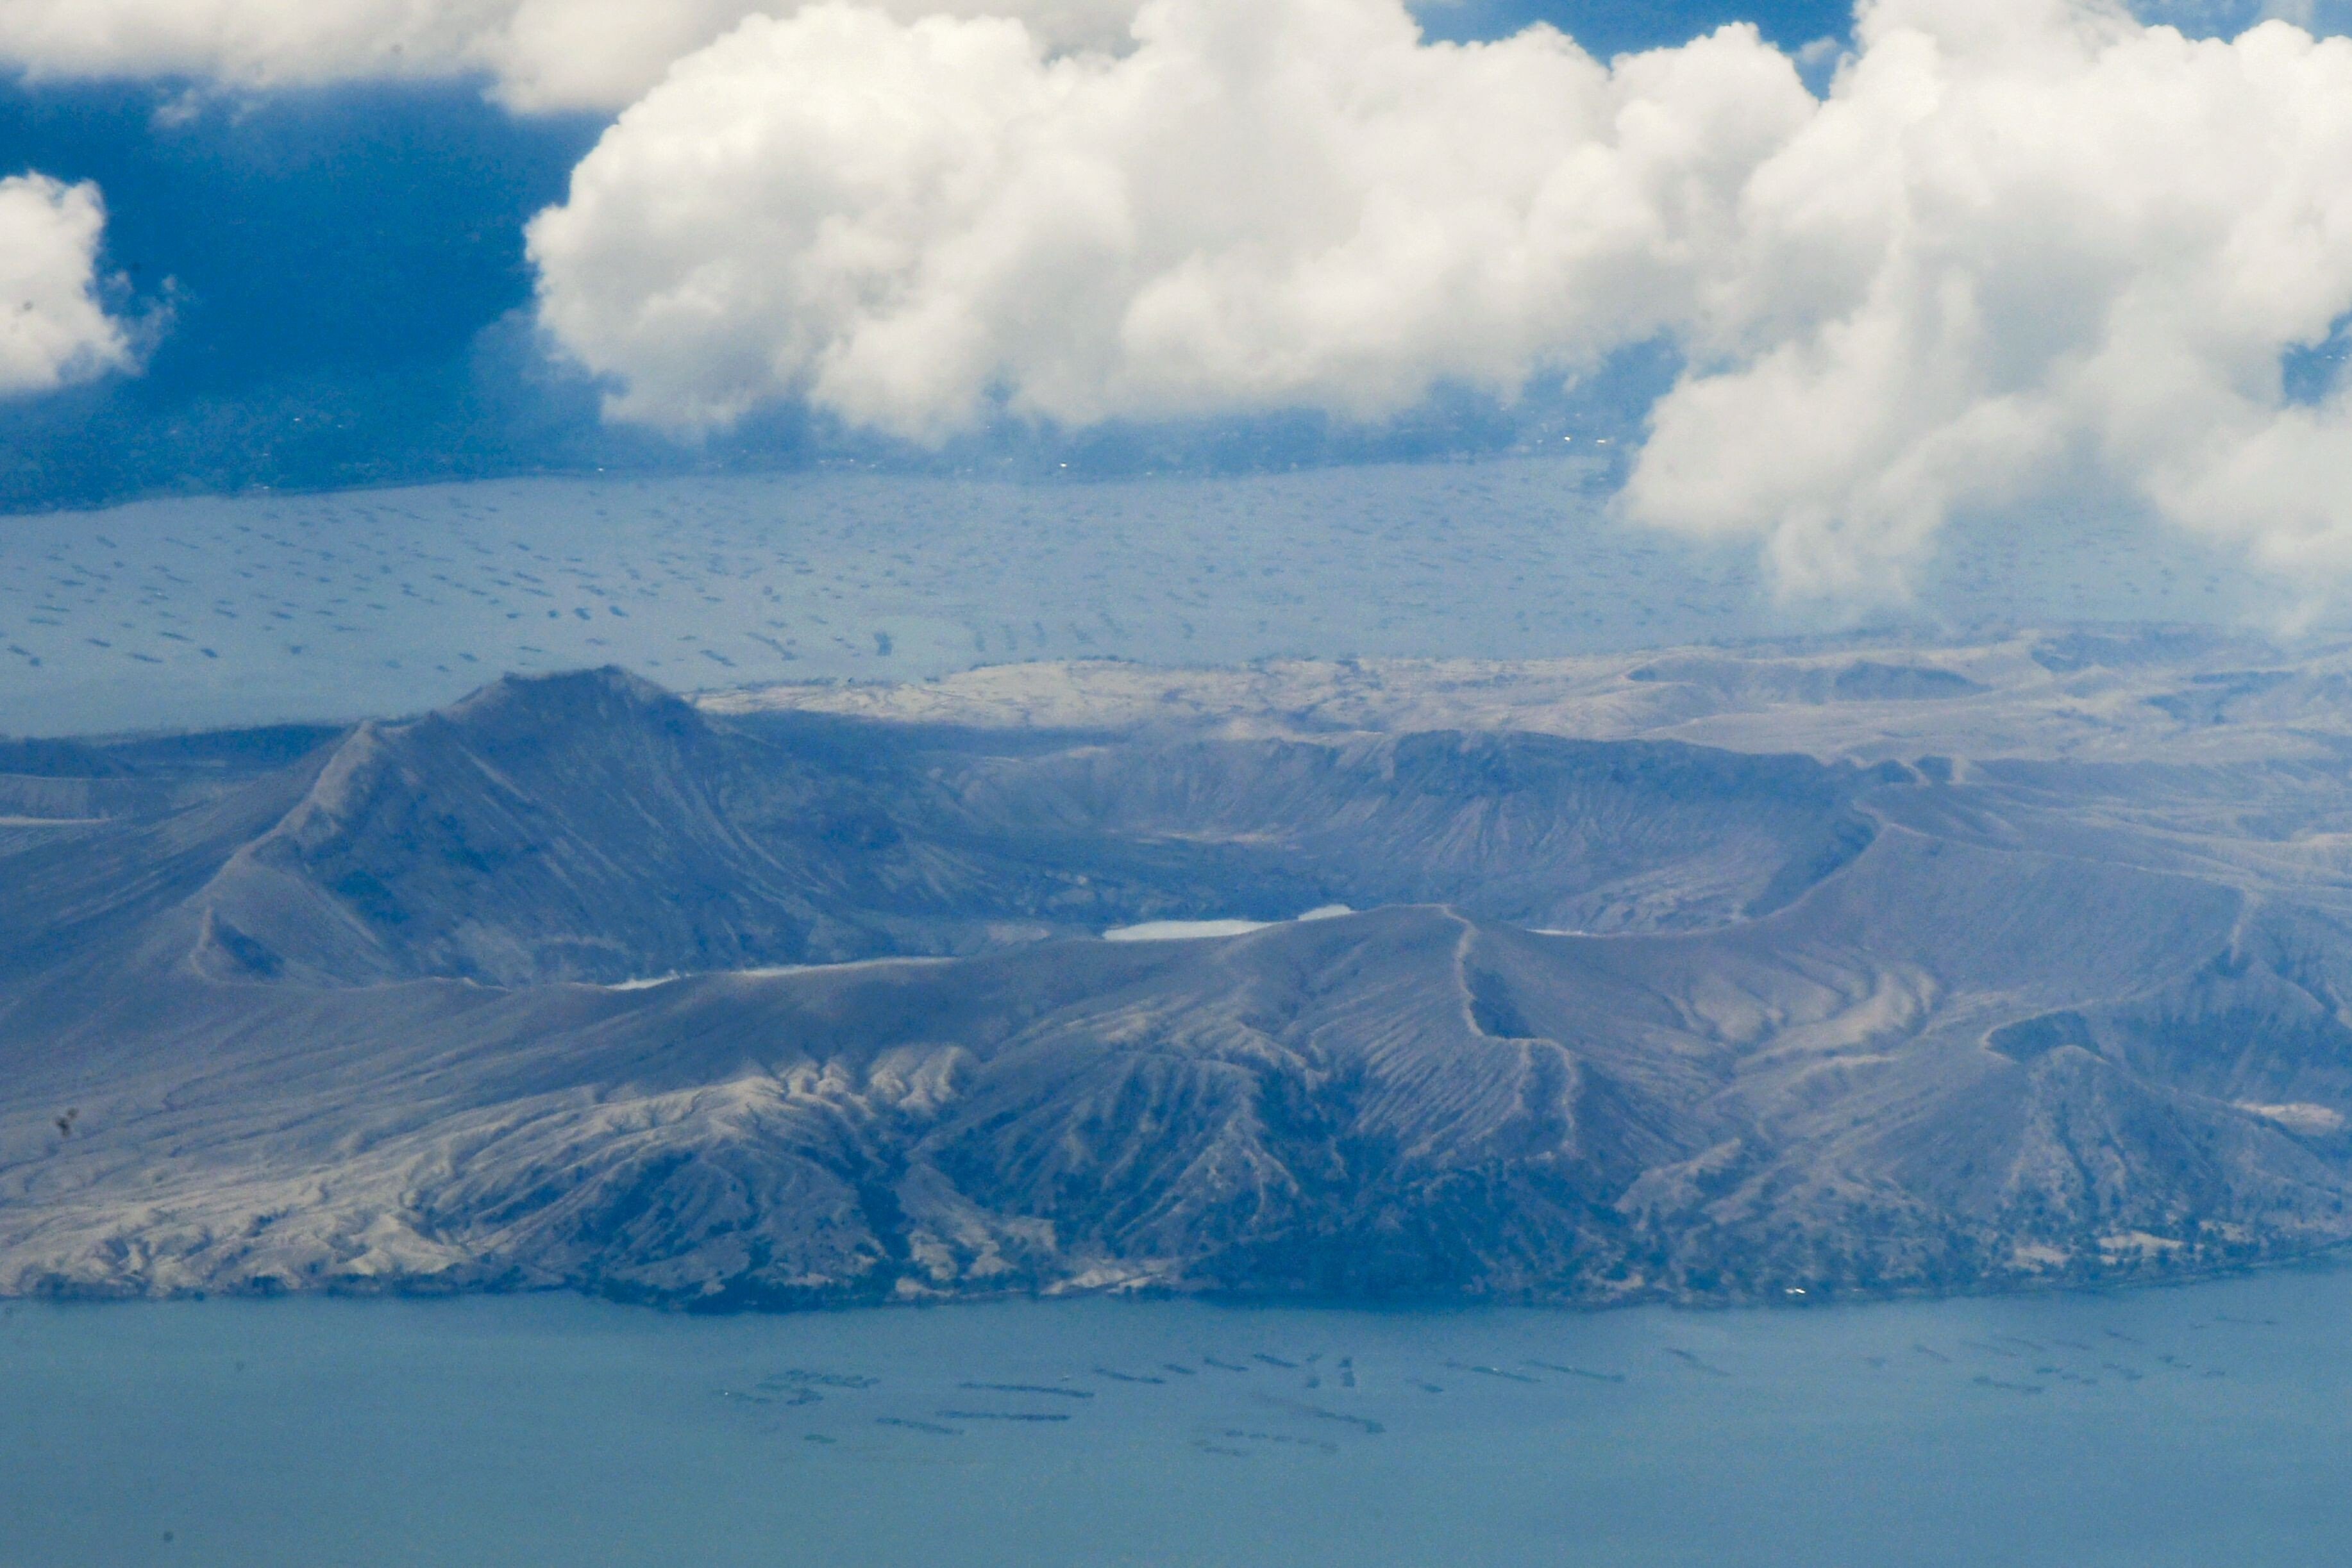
x=247, y=610
x=2206, y=1425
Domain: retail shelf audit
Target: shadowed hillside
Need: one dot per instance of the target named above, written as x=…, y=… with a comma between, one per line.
x=593, y=826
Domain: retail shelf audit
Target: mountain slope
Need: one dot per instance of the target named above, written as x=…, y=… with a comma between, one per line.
x=1401, y=1101
x=593, y=826
x=388, y=1013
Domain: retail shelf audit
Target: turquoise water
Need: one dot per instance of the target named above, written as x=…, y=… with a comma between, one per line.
x=2205, y=1425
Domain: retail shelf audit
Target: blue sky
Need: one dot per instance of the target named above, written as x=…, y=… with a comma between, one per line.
x=1827, y=316
x=344, y=272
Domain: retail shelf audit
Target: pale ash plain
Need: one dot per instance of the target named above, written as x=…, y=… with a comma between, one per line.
x=1690, y=974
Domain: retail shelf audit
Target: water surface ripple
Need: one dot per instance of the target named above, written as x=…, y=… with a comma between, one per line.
x=2203, y=1424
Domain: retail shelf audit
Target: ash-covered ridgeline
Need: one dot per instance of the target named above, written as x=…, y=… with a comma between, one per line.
x=1690, y=974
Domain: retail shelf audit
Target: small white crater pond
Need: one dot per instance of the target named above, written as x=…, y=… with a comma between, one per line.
x=1195, y=930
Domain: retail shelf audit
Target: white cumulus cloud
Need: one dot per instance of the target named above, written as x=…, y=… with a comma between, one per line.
x=2025, y=246
x=539, y=54
x=54, y=330
x=1264, y=202
x=2019, y=246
